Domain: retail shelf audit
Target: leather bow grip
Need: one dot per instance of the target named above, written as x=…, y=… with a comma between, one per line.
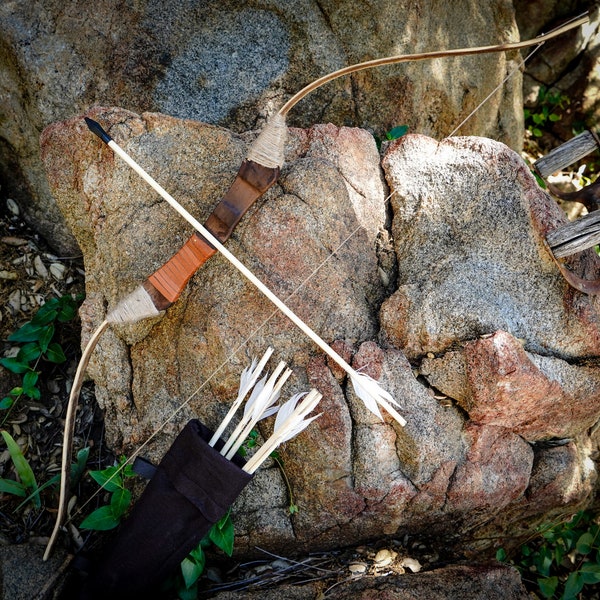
x=170, y=280
x=251, y=182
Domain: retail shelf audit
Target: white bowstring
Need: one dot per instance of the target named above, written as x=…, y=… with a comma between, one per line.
x=501, y=84
x=227, y=360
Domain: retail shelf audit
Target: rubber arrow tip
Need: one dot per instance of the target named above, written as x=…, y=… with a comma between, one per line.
x=96, y=128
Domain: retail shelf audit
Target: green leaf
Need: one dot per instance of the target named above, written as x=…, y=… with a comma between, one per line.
x=47, y=312
x=119, y=502
x=192, y=567
x=67, y=310
x=9, y=486
x=30, y=332
x=30, y=380
x=126, y=468
x=29, y=352
x=222, y=534
x=55, y=353
x=548, y=586
x=554, y=117
x=14, y=365
x=187, y=594
x=101, y=519
x=543, y=561
x=569, y=538
x=52, y=481
x=591, y=568
x=573, y=586
x=46, y=337
x=6, y=402
x=33, y=393
x=501, y=555
x=590, y=573
x=22, y=467
x=537, y=132
x=396, y=132
x=110, y=479
x=585, y=543
x=78, y=469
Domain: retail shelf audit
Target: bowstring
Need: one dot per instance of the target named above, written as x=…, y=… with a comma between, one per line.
x=245, y=341
x=500, y=85
x=220, y=367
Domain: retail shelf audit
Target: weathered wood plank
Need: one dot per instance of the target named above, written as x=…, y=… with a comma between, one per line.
x=575, y=236
x=567, y=154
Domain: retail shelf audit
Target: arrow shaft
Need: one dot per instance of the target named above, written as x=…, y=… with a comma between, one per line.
x=213, y=241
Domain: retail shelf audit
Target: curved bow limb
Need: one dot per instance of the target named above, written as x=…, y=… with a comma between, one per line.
x=162, y=288
x=585, y=286
x=165, y=286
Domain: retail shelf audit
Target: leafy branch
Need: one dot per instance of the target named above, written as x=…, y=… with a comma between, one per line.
x=564, y=559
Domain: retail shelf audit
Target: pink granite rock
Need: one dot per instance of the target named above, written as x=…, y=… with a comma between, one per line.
x=536, y=397
x=319, y=238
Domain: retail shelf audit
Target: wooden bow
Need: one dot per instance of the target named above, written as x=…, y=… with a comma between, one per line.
x=256, y=175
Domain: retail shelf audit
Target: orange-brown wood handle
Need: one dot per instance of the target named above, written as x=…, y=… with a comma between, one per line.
x=172, y=277
x=167, y=283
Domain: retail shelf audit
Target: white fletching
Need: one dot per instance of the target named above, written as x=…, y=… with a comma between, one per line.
x=374, y=396
x=286, y=411
x=289, y=422
x=248, y=378
x=258, y=407
x=365, y=392
x=296, y=429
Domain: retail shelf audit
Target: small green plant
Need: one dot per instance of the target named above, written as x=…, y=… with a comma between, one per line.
x=222, y=536
x=26, y=483
x=37, y=339
x=564, y=559
x=292, y=506
x=251, y=443
x=112, y=480
x=393, y=134
x=26, y=479
x=548, y=109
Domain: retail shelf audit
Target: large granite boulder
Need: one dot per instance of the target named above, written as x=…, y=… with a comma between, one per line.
x=234, y=63
x=454, y=306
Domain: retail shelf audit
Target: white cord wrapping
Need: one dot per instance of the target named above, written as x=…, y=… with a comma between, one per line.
x=136, y=306
x=267, y=149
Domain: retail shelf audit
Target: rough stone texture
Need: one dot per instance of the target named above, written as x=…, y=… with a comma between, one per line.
x=498, y=383
x=510, y=390
x=496, y=471
x=482, y=311
x=469, y=225
x=233, y=64
x=561, y=474
x=456, y=582
x=354, y=478
x=24, y=575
